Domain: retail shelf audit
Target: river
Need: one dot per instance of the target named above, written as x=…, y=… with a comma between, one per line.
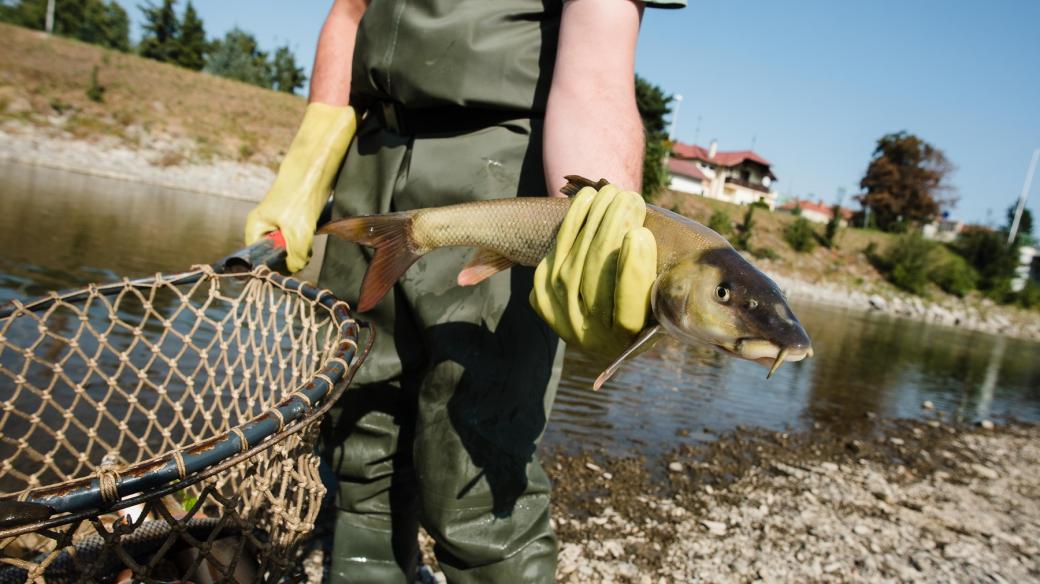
x=60, y=230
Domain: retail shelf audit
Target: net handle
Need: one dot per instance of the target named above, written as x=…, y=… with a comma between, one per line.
x=269, y=250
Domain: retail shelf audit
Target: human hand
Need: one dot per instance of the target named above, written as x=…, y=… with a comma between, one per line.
x=304, y=181
x=593, y=287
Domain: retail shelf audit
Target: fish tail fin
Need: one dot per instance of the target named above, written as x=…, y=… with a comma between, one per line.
x=575, y=183
x=390, y=235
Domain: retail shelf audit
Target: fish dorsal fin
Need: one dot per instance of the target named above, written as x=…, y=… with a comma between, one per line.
x=575, y=183
x=644, y=339
x=484, y=264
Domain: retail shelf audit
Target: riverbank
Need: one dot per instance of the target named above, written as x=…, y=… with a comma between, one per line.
x=50, y=147
x=886, y=501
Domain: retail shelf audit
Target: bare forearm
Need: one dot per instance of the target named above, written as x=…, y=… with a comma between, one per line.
x=330, y=80
x=592, y=126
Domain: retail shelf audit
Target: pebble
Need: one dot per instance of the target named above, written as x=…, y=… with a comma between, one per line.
x=675, y=466
x=927, y=405
x=984, y=472
x=593, y=467
x=714, y=527
x=986, y=425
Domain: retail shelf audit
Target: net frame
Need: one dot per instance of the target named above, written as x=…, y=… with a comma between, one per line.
x=283, y=427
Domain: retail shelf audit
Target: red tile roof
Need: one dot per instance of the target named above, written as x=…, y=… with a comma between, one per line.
x=821, y=208
x=687, y=168
x=722, y=158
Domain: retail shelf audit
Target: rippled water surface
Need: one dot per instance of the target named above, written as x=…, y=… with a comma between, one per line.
x=59, y=230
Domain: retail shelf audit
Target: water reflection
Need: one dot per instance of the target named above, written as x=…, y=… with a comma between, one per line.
x=58, y=230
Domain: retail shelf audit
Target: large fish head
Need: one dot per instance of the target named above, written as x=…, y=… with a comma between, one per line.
x=718, y=297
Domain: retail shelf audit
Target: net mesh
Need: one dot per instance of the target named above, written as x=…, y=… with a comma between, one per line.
x=99, y=380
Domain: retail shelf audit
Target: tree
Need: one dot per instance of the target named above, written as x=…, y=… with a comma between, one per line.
x=100, y=22
x=905, y=181
x=652, y=103
x=161, y=28
x=287, y=76
x=238, y=56
x=191, y=42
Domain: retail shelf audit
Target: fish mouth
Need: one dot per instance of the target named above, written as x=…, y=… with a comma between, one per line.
x=768, y=353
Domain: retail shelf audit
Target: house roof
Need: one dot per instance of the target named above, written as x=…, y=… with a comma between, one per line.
x=687, y=168
x=721, y=158
x=820, y=207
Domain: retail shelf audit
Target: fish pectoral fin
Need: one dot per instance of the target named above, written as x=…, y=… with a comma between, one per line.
x=643, y=340
x=484, y=264
x=575, y=183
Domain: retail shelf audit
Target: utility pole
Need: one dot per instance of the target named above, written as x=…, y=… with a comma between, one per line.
x=675, y=117
x=49, y=24
x=1022, y=197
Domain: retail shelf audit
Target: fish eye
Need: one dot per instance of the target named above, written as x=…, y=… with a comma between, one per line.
x=722, y=293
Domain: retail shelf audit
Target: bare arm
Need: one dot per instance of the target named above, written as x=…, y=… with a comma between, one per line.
x=592, y=126
x=330, y=82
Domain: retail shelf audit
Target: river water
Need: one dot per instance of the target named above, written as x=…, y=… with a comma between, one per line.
x=59, y=230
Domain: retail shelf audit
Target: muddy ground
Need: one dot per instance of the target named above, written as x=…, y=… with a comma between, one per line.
x=883, y=501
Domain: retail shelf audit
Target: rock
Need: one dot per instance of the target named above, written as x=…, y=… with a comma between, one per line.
x=607, y=476
x=984, y=472
x=593, y=467
x=675, y=466
x=877, y=302
x=862, y=530
x=829, y=467
x=985, y=424
x=714, y=527
x=927, y=405
x=896, y=441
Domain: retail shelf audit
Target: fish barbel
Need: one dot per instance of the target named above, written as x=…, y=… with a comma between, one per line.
x=705, y=291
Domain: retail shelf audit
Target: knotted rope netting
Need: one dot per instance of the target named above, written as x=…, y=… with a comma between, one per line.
x=164, y=428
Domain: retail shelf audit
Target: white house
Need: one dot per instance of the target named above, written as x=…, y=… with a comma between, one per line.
x=741, y=176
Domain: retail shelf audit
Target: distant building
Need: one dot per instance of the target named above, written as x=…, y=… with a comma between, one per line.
x=818, y=212
x=741, y=176
x=1027, y=254
x=945, y=230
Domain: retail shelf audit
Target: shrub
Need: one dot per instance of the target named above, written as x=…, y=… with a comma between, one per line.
x=800, y=236
x=96, y=91
x=765, y=253
x=743, y=238
x=830, y=236
x=955, y=276
x=908, y=261
x=720, y=222
x=1029, y=297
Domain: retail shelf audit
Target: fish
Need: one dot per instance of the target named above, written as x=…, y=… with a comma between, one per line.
x=93, y=554
x=705, y=292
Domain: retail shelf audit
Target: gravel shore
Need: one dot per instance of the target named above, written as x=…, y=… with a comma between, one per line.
x=902, y=501
x=155, y=162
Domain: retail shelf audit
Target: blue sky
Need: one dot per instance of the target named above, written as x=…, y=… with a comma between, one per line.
x=813, y=83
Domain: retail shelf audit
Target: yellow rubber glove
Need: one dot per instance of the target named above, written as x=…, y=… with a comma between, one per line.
x=593, y=287
x=304, y=181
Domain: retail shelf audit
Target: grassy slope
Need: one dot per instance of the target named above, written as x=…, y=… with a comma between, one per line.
x=846, y=264
x=44, y=81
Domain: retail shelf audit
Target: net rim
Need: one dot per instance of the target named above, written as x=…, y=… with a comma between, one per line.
x=126, y=486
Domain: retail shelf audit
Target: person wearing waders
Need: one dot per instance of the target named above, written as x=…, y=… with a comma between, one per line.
x=455, y=101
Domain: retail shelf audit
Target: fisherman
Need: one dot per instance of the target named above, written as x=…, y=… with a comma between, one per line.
x=461, y=101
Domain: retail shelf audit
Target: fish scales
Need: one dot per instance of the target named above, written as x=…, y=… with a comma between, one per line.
x=521, y=229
